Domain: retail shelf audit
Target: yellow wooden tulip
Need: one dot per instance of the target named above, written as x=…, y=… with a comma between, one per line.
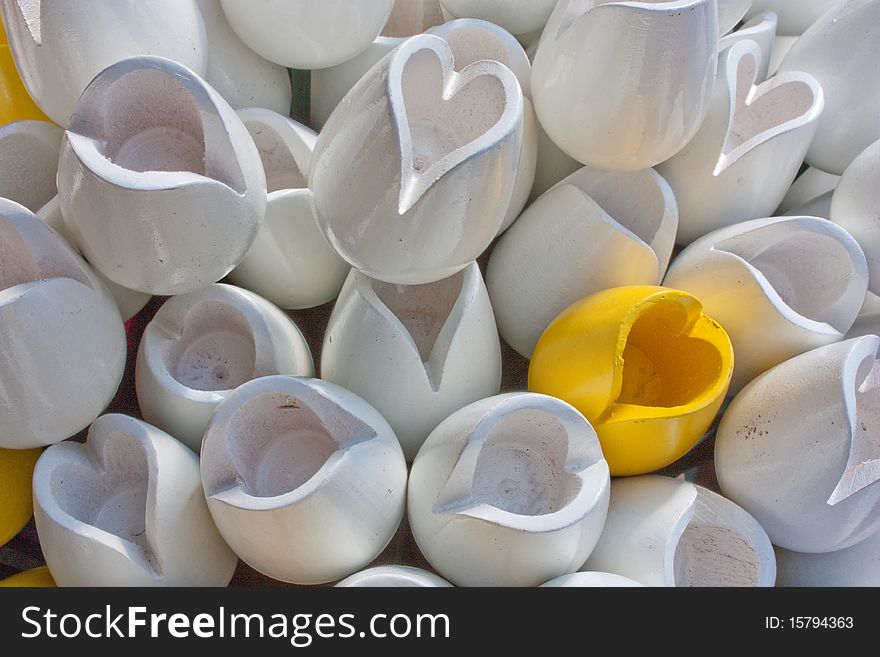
x=33, y=578
x=645, y=366
x=15, y=103
x=16, y=500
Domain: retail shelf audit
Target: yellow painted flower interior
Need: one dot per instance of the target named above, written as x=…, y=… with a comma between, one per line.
x=661, y=366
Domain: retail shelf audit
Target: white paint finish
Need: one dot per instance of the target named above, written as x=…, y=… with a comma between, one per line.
x=730, y=13
x=858, y=565
x=200, y=346
x=592, y=580
x=63, y=340
x=29, y=162
x=429, y=158
x=166, y=197
x=855, y=205
x=130, y=302
x=842, y=51
x=305, y=480
x=59, y=46
x=393, y=577
x=868, y=321
x=592, y=231
x=749, y=150
x=126, y=509
x=305, y=34
x=799, y=448
x=236, y=72
x=290, y=263
x=435, y=347
x=779, y=287
x=667, y=532
x=509, y=491
x=808, y=187
x=515, y=16
x=795, y=16
x=652, y=64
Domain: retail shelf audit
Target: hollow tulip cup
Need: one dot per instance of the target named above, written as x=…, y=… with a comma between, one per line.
x=779, y=286
x=644, y=365
x=592, y=231
x=305, y=480
x=126, y=509
x=428, y=155
x=509, y=491
x=200, y=346
x=668, y=532
x=747, y=152
x=159, y=181
x=798, y=448
x=653, y=65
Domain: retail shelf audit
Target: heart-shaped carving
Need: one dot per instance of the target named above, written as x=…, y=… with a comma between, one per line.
x=445, y=117
x=278, y=442
x=527, y=465
x=107, y=488
x=426, y=315
x=758, y=113
x=802, y=265
x=659, y=347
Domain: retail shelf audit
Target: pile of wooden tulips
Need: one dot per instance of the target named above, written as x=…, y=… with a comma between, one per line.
x=670, y=209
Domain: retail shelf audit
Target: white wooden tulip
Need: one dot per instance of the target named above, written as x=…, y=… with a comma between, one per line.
x=779, y=287
x=798, y=448
x=855, y=205
x=435, y=346
x=808, y=187
x=474, y=40
x=200, y=346
x=236, y=72
x=395, y=577
x=159, y=181
x=127, y=509
x=517, y=16
x=63, y=340
x=858, y=565
x=762, y=30
x=509, y=491
x=305, y=480
x=843, y=53
x=748, y=151
x=471, y=41
x=130, y=302
x=428, y=158
x=667, y=532
x=290, y=263
x=305, y=34
x=29, y=162
x=592, y=580
x=650, y=64
x=795, y=16
x=60, y=46
x=592, y=231
x=730, y=13
x=329, y=85
x=868, y=321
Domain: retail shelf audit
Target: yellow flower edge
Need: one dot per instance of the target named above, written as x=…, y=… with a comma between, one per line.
x=34, y=578
x=16, y=475
x=15, y=103
x=644, y=365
